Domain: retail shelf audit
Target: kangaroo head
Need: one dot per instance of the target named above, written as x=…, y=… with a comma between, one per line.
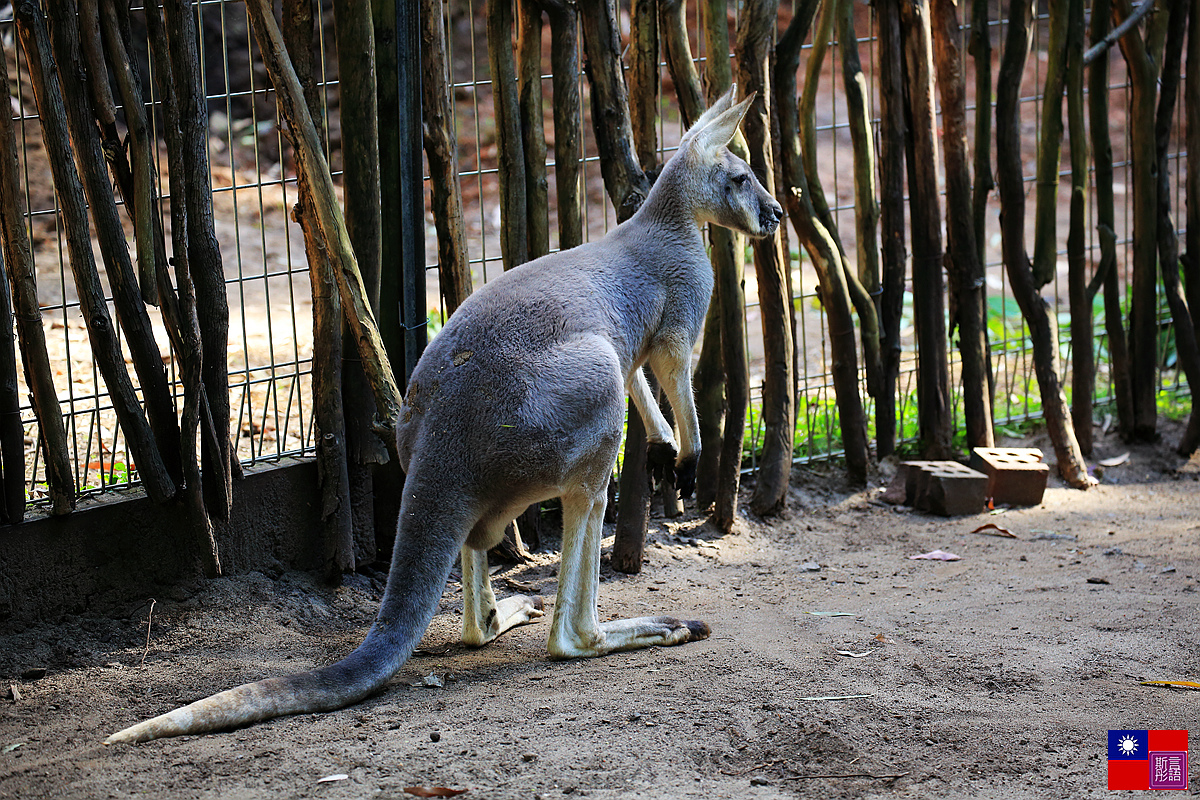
x=723, y=187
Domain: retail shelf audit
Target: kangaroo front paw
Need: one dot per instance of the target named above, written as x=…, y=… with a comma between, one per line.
x=685, y=475
x=660, y=460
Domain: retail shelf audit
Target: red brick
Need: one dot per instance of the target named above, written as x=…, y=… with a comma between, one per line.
x=952, y=489
x=941, y=487
x=1016, y=475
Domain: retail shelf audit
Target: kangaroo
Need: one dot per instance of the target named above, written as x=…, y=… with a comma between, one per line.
x=520, y=398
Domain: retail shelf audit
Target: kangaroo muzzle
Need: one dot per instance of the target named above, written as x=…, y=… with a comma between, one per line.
x=769, y=214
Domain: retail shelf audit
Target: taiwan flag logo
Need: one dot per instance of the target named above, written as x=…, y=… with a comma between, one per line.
x=1147, y=760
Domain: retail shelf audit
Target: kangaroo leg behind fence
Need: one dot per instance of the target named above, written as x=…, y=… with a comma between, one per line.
x=485, y=618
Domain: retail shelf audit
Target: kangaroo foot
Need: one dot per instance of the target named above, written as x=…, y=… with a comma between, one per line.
x=509, y=613
x=627, y=634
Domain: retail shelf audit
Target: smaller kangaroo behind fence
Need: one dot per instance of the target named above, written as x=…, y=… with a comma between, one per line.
x=520, y=398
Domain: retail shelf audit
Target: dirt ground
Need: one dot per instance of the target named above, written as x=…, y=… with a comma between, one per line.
x=993, y=676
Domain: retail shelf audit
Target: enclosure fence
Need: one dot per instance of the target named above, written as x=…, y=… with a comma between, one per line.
x=254, y=186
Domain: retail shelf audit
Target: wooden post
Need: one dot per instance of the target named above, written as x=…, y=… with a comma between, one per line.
x=968, y=305
x=333, y=478
x=358, y=109
x=514, y=243
x=1083, y=357
x=131, y=312
x=1045, y=239
x=892, y=136
x=866, y=208
x=980, y=48
x=755, y=42
x=18, y=263
x=728, y=257
x=188, y=347
x=933, y=387
x=568, y=133
x=677, y=51
x=1114, y=323
x=633, y=503
x=1191, y=257
x=204, y=252
x=1168, y=242
x=533, y=133
x=1020, y=272
x=1143, y=299
x=355, y=307
x=105, y=346
x=441, y=148
x=97, y=31
x=624, y=179
x=822, y=249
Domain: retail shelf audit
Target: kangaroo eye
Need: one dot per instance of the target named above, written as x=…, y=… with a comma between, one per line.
x=741, y=179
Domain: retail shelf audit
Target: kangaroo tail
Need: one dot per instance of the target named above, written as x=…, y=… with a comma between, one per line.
x=428, y=539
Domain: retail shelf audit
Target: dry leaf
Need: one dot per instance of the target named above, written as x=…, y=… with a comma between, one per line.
x=1179, y=684
x=331, y=778
x=992, y=529
x=863, y=654
x=938, y=555
x=1115, y=461
x=435, y=791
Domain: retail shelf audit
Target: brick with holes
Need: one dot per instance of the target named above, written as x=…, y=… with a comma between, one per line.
x=1016, y=475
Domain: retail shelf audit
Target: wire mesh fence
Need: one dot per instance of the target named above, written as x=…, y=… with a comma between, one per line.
x=254, y=189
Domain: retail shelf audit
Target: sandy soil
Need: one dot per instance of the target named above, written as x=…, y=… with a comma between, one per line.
x=993, y=676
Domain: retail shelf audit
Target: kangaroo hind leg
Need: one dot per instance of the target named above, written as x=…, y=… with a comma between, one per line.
x=485, y=618
x=576, y=630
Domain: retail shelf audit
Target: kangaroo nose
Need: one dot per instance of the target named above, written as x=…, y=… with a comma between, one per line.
x=770, y=216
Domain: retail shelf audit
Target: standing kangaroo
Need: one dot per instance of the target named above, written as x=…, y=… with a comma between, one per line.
x=520, y=399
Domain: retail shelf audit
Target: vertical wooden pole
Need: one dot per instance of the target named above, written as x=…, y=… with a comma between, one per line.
x=333, y=478
x=728, y=256
x=188, y=345
x=967, y=303
x=892, y=136
x=820, y=244
x=441, y=149
x=18, y=263
x=514, y=221
x=533, y=133
x=933, y=372
x=755, y=46
x=1143, y=299
x=1034, y=308
x=1114, y=322
x=633, y=504
x=1083, y=357
x=568, y=128
x=204, y=252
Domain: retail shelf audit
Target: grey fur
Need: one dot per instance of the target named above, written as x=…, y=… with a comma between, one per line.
x=520, y=398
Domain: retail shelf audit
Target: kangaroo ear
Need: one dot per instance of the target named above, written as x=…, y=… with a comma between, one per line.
x=720, y=129
x=719, y=107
